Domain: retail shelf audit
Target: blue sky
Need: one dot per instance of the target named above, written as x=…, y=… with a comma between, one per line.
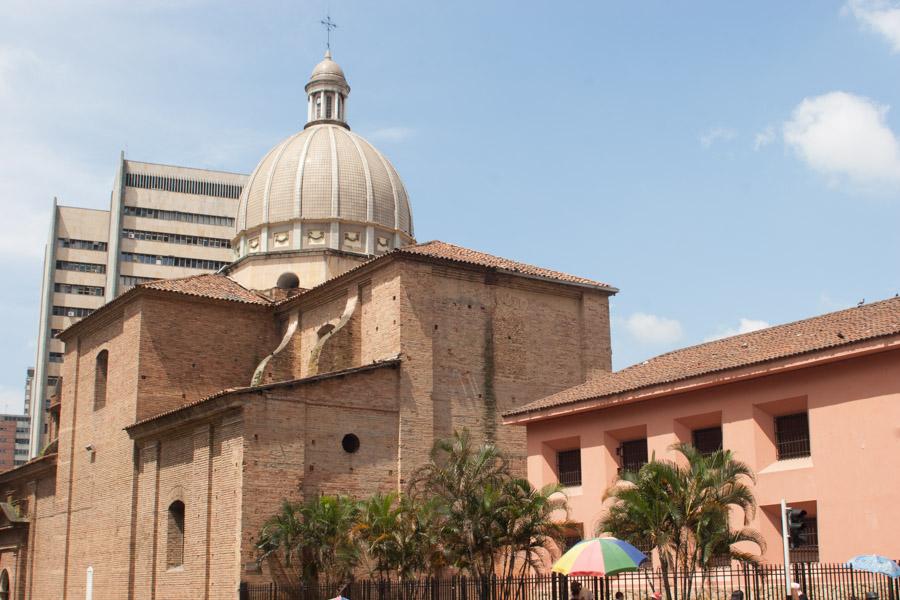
x=725, y=165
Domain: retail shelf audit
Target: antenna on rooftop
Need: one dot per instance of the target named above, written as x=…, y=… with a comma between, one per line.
x=329, y=26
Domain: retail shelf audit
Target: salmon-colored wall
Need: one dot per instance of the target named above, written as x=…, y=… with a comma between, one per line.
x=849, y=482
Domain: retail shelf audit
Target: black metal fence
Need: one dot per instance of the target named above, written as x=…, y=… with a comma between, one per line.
x=766, y=582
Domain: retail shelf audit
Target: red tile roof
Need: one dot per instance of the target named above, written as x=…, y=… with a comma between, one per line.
x=208, y=285
x=454, y=253
x=869, y=321
x=442, y=251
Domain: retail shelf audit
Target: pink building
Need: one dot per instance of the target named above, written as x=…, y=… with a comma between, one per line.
x=813, y=407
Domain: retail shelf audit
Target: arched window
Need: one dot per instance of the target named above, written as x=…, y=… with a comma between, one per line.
x=101, y=371
x=4, y=585
x=175, y=535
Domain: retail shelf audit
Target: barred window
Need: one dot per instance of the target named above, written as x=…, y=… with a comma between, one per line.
x=792, y=436
x=56, y=357
x=71, y=311
x=67, y=265
x=633, y=454
x=708, y=440
x=174, y=215
x=81, y=290
x=173, y=261
x=82, y=244
x=183, y=186
x=808, y=551
x=175, y=238
x=568, y=467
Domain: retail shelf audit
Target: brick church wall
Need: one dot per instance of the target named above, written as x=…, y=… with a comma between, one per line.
x=477, y=344
x=191, y=349
x=292, y=446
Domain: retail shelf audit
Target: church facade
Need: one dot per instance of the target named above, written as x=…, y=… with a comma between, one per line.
x=326, y=359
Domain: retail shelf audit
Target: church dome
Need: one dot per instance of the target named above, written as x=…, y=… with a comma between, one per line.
x=325, y=186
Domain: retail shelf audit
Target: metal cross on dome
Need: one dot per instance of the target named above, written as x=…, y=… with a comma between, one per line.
x=329, y=25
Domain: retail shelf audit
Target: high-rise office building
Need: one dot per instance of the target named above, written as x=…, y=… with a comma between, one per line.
x=164, y=222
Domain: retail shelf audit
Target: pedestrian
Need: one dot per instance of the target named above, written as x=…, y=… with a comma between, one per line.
x=737, y=595
x=579, y=593
x=620, y=596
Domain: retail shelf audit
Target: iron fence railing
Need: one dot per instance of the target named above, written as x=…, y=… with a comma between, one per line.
x=817, y=581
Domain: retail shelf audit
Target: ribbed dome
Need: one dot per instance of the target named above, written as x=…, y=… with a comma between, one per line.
x=325, y=173
x=324, y=187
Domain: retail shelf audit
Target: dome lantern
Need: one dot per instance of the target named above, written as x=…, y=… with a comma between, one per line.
x=327, y=93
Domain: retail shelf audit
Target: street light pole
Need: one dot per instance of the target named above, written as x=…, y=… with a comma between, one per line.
x=787, y=556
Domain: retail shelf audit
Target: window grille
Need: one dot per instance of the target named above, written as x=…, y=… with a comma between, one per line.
x=809, y=551
x=183, y=186
x=792, y=436
x=568, y=467
x=634, y=454
x=708, y=440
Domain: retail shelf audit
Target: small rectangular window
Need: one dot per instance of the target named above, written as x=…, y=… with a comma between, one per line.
x=708, y=440
x=634, y=454
x=568, y=467
x=792, y=436
x=808, y=551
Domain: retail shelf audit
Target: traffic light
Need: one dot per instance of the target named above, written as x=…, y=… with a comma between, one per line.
x=796, y=526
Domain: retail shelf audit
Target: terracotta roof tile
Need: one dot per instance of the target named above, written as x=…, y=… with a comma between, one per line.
x=840, y=328
x=445, y=251
x=439, y=250
x=208, y=285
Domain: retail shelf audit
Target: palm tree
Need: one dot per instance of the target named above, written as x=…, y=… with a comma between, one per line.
x=532, y=529
x=468, y=483
x=682, y=509
x=313, y=537
x=280, y=539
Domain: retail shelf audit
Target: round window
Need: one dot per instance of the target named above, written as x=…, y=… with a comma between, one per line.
x=350, y=443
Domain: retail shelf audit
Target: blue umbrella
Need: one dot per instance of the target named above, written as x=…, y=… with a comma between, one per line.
x=875, y=564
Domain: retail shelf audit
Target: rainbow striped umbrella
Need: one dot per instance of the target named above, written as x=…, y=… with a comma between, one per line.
x=599, y=557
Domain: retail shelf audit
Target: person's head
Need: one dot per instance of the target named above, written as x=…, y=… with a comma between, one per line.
x=737, y=595
x=576, y=587
x=657, y=595
x=620, y=596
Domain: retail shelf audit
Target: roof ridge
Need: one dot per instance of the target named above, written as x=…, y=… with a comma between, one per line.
x=759, y=331
x=820, y=333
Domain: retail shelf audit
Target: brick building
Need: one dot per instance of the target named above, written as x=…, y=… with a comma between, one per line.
x=327, y=358
x=13, y=441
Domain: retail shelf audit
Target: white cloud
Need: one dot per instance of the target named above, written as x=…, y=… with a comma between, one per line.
x=392, y=134
x=744, y=326
x=841, y=134
x=652, y=329
x=717, y=134
x=881, y=16
x=764, y=138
